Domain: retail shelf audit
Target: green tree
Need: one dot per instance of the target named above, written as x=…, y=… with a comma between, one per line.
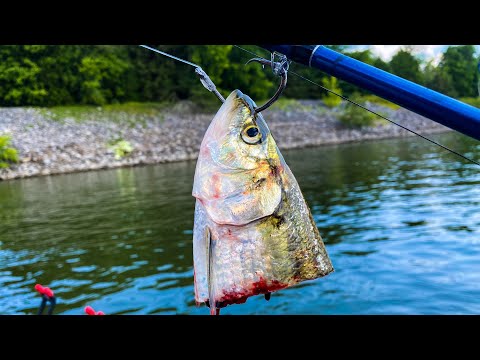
x=61, y=74
x=214, y=60
x=101, y=76
x=407, y=66
x=364, y=56
x=460, y=63
x=19, y=75
x=252, y=79
x=153, y=77
x=478, y=76
x=383, y=65
x=300, y=89
x=436, y=78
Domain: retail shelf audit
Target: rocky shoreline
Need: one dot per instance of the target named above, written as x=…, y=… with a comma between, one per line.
x=47, y=146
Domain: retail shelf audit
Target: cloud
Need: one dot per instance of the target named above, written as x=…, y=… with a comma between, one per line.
x=385, y=52
x=424, y=52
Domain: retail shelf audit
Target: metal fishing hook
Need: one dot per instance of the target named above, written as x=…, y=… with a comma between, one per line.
x=279, y=68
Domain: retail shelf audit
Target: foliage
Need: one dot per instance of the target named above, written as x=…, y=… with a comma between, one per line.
x=66, y=75
x=354, y=116
x=376, y=100
x=474, y=101
x=100, y=79
x=332, y=100
x=214, y=60
x=407, y=66
x=43, y=75
x=152, y=77
x=367, y=57
x=8, y=154
x=19, y=76
x=439, y=80
x=382, y=65
x=301, y=89
x=459, y=63
x=258, y=83
x=121, y=148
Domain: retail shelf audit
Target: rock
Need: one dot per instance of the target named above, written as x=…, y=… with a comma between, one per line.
x=50, y=147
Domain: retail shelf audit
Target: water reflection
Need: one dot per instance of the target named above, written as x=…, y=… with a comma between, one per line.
x=398, y=216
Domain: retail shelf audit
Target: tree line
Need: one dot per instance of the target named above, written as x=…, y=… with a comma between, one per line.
x=50, y=75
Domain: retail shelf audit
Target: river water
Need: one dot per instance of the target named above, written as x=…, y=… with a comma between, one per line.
x=399, y=218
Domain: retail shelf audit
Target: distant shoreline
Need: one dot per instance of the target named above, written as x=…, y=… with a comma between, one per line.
x=48, y=147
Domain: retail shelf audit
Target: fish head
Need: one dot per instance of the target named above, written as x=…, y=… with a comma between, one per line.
x=238, y=138
x=238, y=165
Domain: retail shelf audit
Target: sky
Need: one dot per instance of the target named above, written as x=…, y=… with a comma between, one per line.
x=426, y=52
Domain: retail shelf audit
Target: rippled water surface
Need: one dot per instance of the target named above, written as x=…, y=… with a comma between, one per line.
x=399, y=218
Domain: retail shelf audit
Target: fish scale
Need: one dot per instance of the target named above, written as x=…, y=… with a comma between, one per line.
x=253, y=231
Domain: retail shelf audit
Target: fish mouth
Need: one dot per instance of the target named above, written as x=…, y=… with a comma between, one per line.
x=242, y=99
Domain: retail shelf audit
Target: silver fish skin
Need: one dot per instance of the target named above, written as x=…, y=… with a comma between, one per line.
x=253, y=231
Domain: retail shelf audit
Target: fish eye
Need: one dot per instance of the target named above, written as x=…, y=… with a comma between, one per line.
x=252, y=131
x=251, y=135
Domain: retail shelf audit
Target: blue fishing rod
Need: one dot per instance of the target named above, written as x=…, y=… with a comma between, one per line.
x=419, y=99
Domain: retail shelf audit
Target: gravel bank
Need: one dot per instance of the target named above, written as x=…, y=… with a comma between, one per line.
x=49, y=146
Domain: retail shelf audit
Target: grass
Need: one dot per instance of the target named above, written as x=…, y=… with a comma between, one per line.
x=134, y=113
x=120, y=147
x=285, y=104
x=474, y=101
x=8, y=154
x=131, y=112
x=375, y=100
x=356, y=117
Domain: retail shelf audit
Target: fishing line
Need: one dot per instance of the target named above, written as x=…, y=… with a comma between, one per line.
x=204, y=78
x=373, y=112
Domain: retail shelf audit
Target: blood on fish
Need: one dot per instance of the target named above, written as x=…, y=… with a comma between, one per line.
x=228, y=234
x=236, y=183
x=205, y=151
x=216, y=186
x=259, y=287
x=276, y=170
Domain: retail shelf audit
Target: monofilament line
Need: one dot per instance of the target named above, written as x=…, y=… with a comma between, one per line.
x=373, y=112
x=384, y=117
x=170, y=56
x=204, y=78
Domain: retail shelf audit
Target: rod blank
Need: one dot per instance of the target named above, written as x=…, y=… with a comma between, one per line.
x=419, y=99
